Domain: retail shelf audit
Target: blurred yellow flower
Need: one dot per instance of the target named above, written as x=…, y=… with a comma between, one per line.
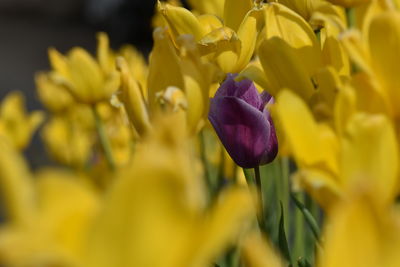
x=89, y=80
x=55, y=97
x=332, y=165
x=15, y=123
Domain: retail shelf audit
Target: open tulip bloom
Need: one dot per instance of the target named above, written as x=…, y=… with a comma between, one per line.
x=239, y=115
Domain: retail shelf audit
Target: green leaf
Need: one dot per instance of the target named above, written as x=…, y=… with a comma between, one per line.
x=283, y=244
x=312, y=223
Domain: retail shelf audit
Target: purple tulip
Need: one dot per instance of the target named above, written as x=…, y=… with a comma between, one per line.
x=244, y=125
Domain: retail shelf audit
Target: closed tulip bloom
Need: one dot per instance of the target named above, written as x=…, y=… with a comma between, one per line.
x=239, y=116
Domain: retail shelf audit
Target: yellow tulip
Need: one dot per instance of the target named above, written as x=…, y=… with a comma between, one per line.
x=187, y=71
x=47, y=217
x=88, y=80
x=133, y=99
x=230, y=43
x=331, y=165
x=358, y=233
x=15, y=123
x=55, y=97
x=164, y=213
x=67, y=141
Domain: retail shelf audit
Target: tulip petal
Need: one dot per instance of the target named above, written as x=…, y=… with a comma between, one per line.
x=242, y=128
x=234, y=12
x=384, y=41
x=243, y=89
x=370, y=157
x=283, y=68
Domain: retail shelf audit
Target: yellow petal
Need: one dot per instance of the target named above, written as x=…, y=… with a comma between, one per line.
x=323, y=187
x=255, y=73
x=86, y=77
x=311, y=144
x=384, y=40
x=215, y=7
x=232, y=214
x=356, y=49
x=370, y=157
x=234, y=12
x=133, y=99
x=55, y=97
x=358, y=234
x=104, y=55
x=248, y=33
x=164, y=68
x=345, y=108
x=67, y=207
x=284, y=68
x=17, y=190
x=210, y=22
x=58, y=62
x=293, y=29
x=180, y=20
x=257, y=252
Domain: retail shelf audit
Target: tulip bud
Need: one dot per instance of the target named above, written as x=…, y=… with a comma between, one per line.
x=239, y=116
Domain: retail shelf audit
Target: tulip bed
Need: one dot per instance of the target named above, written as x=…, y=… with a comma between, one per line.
x=257, y=133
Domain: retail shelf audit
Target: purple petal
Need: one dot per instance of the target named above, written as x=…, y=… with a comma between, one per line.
x=244, y=89
x=244, y=130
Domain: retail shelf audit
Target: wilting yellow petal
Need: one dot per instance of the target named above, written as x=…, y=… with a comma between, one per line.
x=369, y=157
x=284, y=68
x=235, y=11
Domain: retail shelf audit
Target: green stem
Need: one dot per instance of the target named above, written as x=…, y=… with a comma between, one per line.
x=260, y=217
x=285, y=190
x=104, y=141
x=299, y=236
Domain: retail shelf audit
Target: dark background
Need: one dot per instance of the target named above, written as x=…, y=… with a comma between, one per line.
x=29, y=27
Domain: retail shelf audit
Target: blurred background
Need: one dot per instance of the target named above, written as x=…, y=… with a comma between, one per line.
x=29, y=27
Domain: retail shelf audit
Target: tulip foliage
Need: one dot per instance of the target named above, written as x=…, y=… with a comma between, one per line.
x=255, y=134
